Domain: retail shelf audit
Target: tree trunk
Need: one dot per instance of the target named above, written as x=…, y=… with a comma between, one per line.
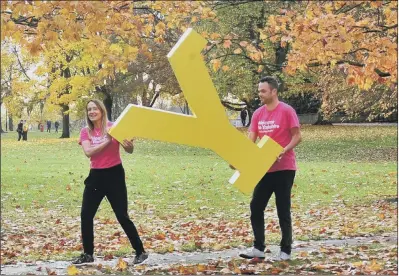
x=1, y=125
x=10, y=123
x=144, y=97
x=66, y=73
x=281, y=57
x=249, y=117
x=65, y=121
x=321, y=120
x=107, y=101
x=156, y=95
x=186, y=108
x=108, y=105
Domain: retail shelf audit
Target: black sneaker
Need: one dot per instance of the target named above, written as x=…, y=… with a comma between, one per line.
x=83, y=258
x=140, y=258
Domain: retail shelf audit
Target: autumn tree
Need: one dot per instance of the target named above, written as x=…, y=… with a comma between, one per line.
x=238, y=54
x=298, y=42
x=358, y=38
x=18, y=89
x=96, y=40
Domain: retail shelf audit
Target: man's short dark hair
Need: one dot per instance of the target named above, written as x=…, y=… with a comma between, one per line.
x=271, y=81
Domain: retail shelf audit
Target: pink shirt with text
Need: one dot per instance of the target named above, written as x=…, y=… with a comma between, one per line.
x=277, y=125
x=109, y=156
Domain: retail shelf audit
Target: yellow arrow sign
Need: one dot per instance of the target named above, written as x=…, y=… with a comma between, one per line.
x=209, y=127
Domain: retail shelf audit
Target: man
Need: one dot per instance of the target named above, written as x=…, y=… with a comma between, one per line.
x=48, y=126
x=280, y=122
x=19, y=130
x=243, y=116
x=56, y=124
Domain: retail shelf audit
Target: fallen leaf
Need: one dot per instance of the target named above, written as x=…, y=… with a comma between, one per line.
x=72, y=270
x=121, y=265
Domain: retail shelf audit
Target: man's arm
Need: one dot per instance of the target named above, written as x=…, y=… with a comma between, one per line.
x=252, y=136
x=296, y=138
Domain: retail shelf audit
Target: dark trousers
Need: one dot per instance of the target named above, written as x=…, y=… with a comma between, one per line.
x=20, y=135
x=279, y=183
x=110, y=183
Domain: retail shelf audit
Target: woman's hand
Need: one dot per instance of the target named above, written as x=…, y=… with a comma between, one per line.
x=128, y=145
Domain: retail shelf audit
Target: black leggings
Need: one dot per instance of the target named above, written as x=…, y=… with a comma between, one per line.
x=279, y=183
x=111, y=183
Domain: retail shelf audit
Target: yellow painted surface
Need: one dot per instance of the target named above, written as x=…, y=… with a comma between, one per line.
x=209, y=127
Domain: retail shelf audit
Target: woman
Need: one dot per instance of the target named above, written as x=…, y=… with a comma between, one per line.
x=106, y=178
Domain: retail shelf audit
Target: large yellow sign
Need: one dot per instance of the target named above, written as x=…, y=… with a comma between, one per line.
x=208, y=128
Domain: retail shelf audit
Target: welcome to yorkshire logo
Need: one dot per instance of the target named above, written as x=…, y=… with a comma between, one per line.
x=209, y=127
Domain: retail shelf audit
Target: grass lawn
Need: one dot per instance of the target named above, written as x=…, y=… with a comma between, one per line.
x=179, y=197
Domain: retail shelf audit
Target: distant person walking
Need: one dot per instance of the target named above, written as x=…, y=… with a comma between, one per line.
x=243, y=116
x=20, y=130
x=49, y=126
x=25, y=131
x=56, y=125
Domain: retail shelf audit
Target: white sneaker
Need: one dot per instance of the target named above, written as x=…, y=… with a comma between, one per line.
x=253, y=253
x=282, y=256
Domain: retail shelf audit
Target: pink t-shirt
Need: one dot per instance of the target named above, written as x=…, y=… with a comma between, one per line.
x=277, y=125
x=109, y=156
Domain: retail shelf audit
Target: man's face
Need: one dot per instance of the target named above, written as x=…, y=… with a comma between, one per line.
x=266, y=93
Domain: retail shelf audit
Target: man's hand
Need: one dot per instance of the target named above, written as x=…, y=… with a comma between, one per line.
x=281, y=155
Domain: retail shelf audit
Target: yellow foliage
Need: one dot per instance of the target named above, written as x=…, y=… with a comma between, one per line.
x=225, y=68
x=326, y=37
x=160, y=29
x=237, y=51
x=216, y=64
x=215, y=36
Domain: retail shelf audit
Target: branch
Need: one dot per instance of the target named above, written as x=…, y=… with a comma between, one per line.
x=314, y=30
x=360, y=49
x=210, y=48
x=388, y=27
x=20, y=64
x=383, y=28
x=353, y=63
x=349, y=9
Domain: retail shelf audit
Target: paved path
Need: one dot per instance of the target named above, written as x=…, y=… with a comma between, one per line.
x=39, y=267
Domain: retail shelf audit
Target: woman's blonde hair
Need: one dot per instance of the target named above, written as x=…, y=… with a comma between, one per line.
x=104, y=118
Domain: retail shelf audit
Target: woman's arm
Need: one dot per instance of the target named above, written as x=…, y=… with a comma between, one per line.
x=128, y=146
x=90, y=150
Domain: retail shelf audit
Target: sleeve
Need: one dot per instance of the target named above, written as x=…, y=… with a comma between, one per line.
x=84, y=135
x=293, y=120
x=254, y=123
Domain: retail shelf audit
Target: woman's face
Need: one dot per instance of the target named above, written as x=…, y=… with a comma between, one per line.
x=93, y=112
